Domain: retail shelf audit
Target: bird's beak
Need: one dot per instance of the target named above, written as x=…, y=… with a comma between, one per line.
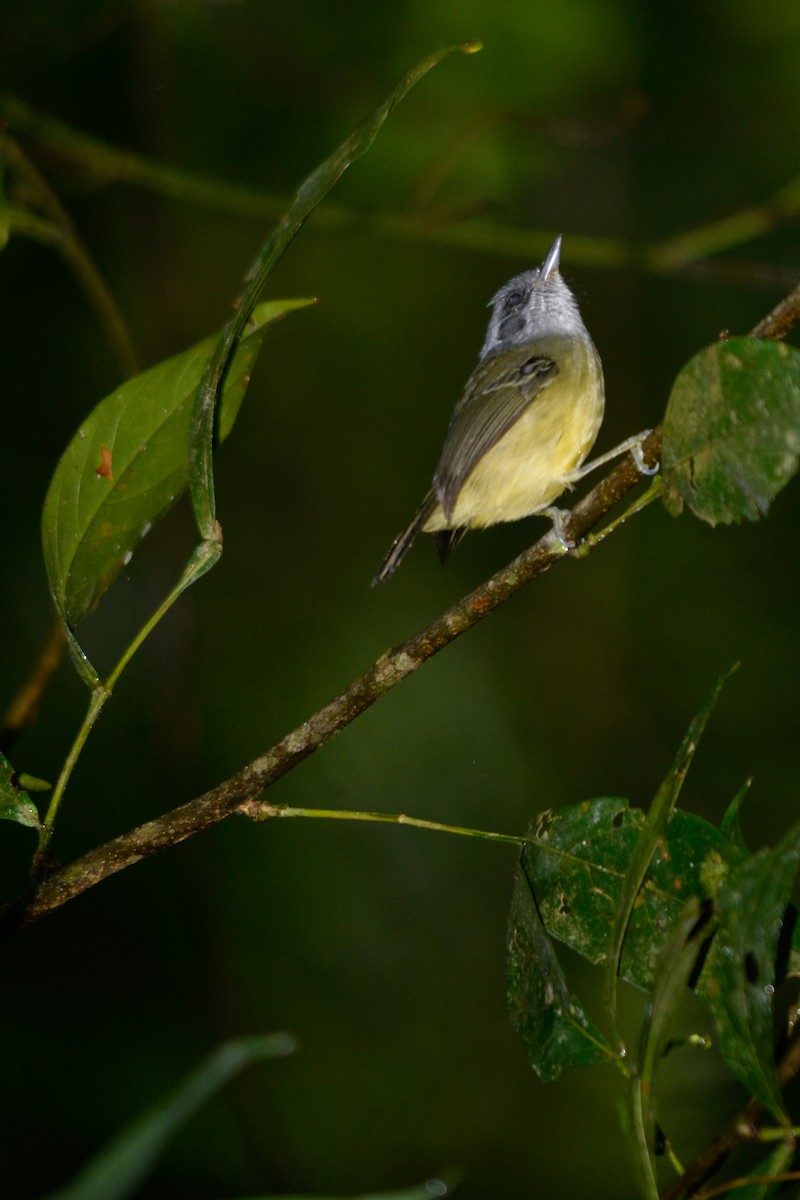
x=550, y=265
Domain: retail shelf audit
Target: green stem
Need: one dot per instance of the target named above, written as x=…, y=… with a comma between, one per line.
x=99, y=696
x=201, y=561
x=778, y=1133
x=641, y=502
x=333, y=814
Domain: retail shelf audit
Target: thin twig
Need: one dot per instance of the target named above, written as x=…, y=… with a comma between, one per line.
x=60, y=232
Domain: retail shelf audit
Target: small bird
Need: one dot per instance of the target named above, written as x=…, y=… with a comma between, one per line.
x=528, y=416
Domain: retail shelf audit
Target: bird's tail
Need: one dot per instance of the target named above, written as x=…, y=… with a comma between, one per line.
x=447, y=540
x=402, y=543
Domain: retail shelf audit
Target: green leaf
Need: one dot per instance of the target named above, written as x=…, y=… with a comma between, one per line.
x=740, y=971
x=15, y=803
x=117, y=1170
x=554, y=1028
x=577, y=859
x=732, y=430
x=127, y=466
x=660, y=811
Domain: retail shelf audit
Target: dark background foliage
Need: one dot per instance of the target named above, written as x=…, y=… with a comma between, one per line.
x=381, y=948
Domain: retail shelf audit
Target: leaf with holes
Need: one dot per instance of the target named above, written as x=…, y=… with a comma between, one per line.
x=127, y=466
x=732, y=430
x=740, y=972
x=577, y=860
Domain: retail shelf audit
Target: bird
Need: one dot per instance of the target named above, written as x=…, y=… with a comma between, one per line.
x=527, y=418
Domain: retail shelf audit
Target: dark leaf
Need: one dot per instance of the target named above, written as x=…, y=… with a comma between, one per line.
x=732, y=430
x=554, y=1028
x=577, y=859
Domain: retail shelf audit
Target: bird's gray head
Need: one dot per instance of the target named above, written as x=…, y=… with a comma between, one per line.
x=533, y=305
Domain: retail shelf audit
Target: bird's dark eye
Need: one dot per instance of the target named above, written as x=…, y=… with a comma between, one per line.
x=513, y=299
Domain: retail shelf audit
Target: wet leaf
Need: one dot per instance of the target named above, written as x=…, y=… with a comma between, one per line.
x=732, y=430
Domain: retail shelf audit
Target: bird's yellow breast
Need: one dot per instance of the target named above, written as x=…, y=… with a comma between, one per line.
x=539, y=456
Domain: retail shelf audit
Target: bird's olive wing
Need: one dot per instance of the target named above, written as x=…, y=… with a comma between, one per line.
x=497, y=393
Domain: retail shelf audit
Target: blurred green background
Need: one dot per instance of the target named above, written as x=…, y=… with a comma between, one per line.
x=380, y=948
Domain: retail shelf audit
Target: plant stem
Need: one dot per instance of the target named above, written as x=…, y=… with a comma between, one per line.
x=331, y=814
x=99, y=695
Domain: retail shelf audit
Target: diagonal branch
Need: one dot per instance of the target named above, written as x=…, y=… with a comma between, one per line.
x=241, y=794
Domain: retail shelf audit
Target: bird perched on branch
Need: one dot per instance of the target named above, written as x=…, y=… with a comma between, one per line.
x=528, y=416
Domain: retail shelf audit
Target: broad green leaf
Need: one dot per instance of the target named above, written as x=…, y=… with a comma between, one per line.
x=732, y=430
x=653, y=830
x=117, y=1170
x=15, y=803
x=554, y=1028
x=577, y=859
x=127, y=466
x=740, y=972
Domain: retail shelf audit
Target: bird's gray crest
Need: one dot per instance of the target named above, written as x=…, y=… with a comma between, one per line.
x=532, y=305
